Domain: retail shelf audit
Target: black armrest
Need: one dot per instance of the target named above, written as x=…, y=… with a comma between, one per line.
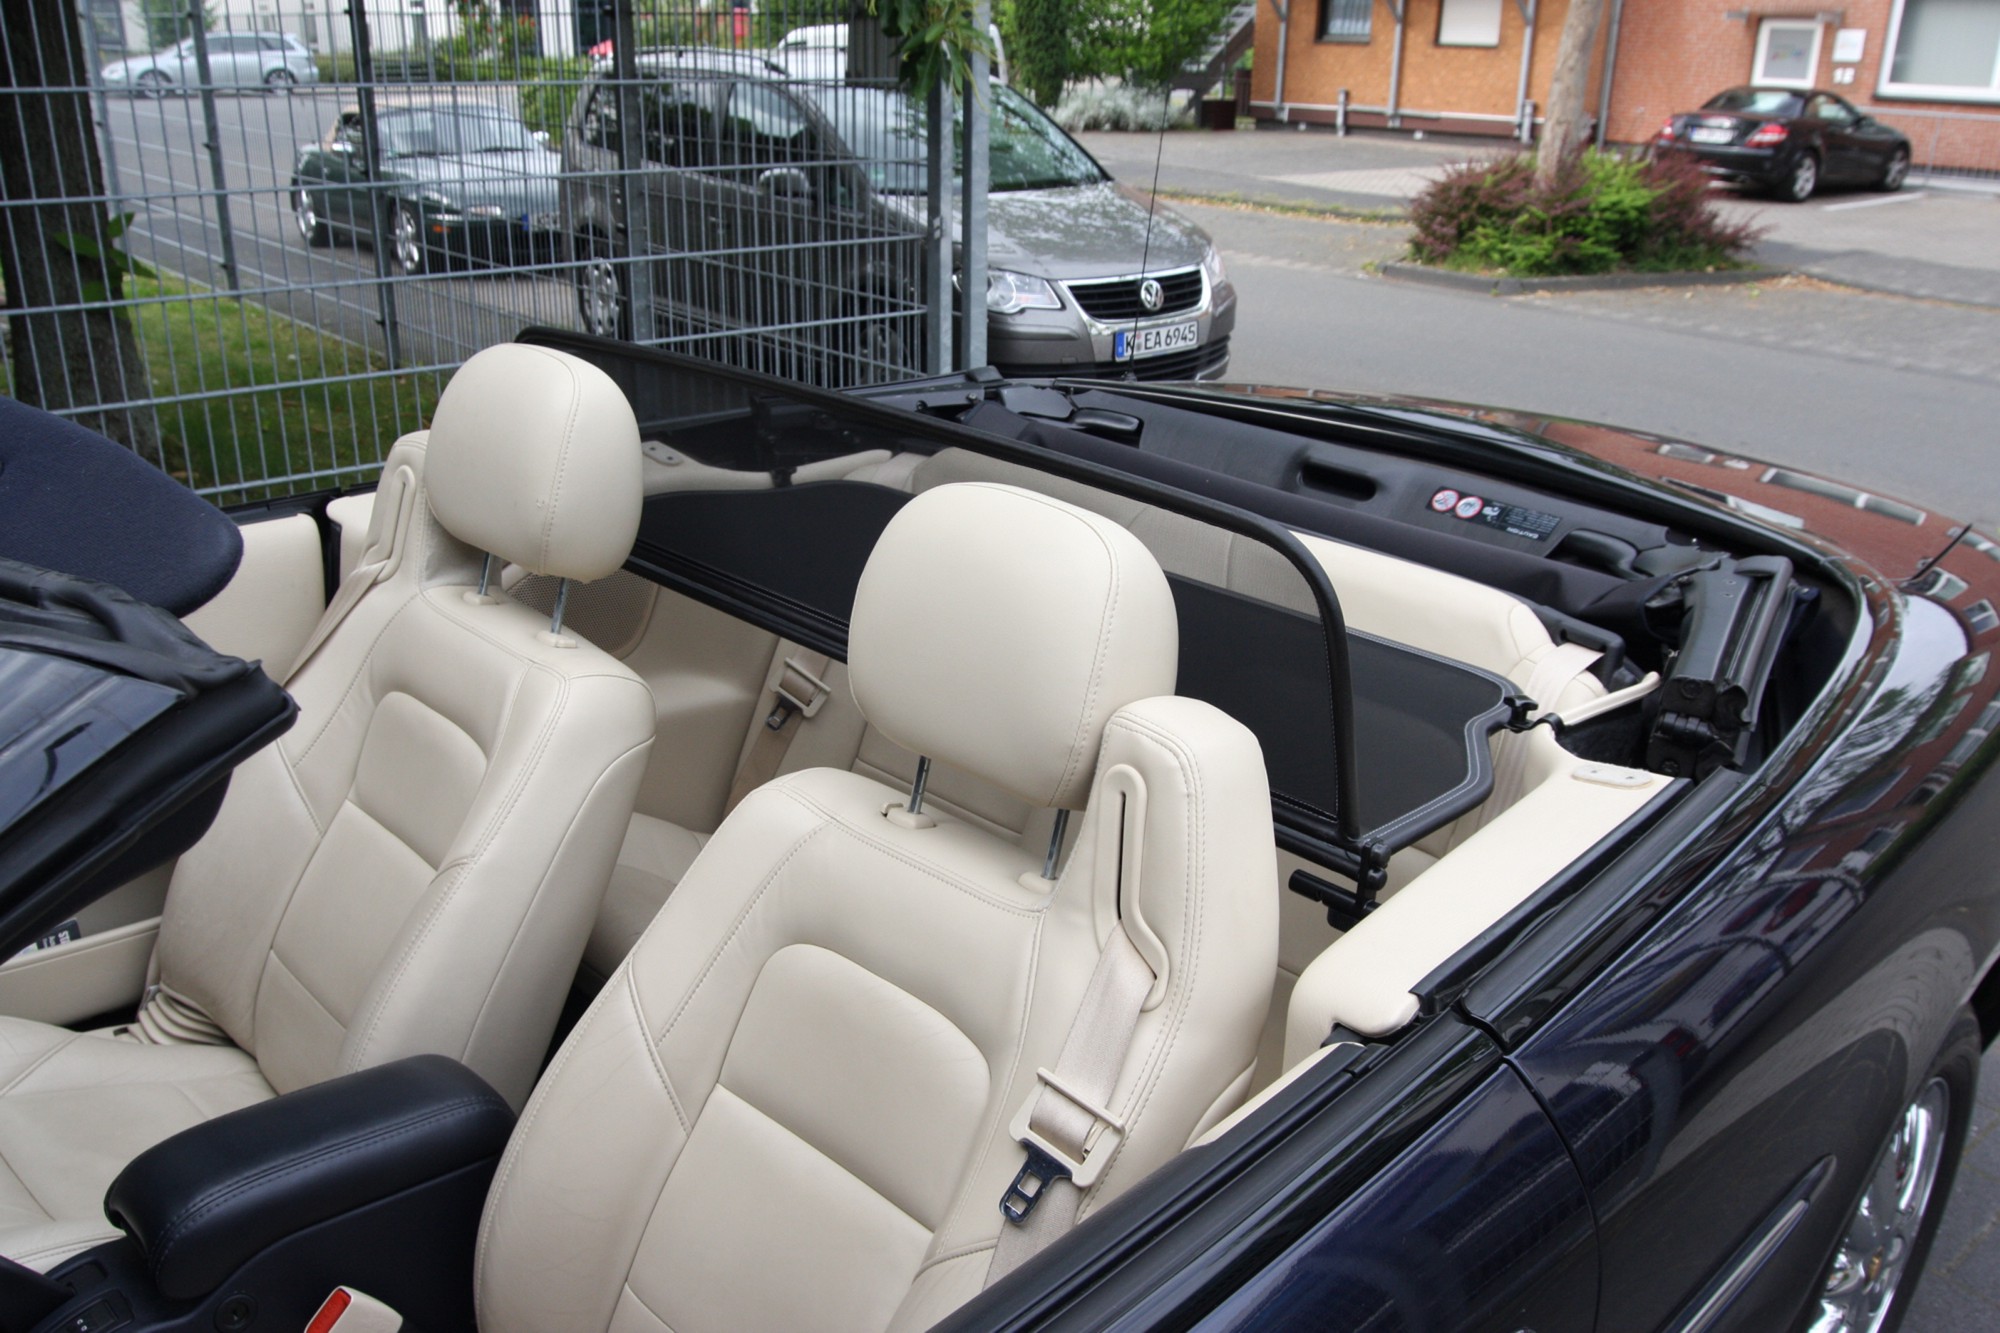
x=209, y=1199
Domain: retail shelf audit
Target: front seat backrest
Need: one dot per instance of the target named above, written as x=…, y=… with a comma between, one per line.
x=790, y=1107
x=414, y=867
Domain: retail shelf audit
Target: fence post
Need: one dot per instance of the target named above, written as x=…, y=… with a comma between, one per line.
x=634, y=219
x=937, y=237
x=107, y=144
x=371, y=148
x=972, y=206
x=211, y=128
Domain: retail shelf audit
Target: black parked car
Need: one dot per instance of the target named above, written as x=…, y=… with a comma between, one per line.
x=1789, y=143
x=1629, y=957
x=455, y=181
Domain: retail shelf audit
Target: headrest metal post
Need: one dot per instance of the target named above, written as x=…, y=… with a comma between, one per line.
x=486, y=574
x=917, y=784
x=1055, y=845
x=562, y=600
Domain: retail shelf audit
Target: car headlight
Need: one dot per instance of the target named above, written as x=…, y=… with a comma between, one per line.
x=114, y=74
x=1211, y=268
x=487, y=211
x=1010, y=293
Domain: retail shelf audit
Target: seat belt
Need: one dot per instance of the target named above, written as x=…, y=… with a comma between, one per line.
x=1550, y=677
x=797, y=690
x=377, y=562
x=1068, y=1135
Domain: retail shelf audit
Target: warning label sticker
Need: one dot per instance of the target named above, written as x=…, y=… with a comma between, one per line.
x=1514, y=520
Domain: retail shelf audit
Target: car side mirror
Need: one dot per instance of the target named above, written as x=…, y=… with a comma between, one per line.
x=787, y=183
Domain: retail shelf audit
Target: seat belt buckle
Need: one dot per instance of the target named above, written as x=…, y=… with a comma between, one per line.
x=799, y=691
x=346, y=1310
x=1048, y=1161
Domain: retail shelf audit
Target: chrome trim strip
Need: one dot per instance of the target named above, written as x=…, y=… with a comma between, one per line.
x=1713, y=1300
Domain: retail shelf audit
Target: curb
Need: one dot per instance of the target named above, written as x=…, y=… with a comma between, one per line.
x=1493, y=286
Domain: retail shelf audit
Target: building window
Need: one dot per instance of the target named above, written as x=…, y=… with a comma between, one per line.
x=1469, y=23
x=1787, y=53
x=1345, y=20
x=1948, y=50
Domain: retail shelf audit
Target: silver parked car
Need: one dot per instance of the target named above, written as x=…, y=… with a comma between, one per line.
x=276, y=61
x=766, y=199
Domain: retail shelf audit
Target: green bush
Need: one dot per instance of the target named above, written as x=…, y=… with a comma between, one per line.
x=1602, y=212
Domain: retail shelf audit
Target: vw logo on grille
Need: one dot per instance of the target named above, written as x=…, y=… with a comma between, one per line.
x=1151, y=294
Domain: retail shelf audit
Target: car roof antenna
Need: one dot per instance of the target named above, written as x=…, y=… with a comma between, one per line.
x=1152, y=204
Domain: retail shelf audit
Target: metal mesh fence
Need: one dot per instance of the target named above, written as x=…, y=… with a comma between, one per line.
x=253, y=239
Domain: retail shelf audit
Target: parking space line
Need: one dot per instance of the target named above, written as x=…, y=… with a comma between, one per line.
x=1909, y=198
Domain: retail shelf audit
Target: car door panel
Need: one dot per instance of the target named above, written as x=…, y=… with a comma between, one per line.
x=1782, y=1013
x=1482, y=1224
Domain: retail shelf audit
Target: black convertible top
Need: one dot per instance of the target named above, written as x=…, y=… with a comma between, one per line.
x=139, y=530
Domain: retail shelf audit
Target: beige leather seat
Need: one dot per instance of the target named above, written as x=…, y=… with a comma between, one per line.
x=415, y=865
x=792, y=1105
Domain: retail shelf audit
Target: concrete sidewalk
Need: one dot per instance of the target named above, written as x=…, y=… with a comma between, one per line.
x=1935, y=240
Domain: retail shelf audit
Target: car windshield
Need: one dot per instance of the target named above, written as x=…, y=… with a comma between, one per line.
x=885, y=128
x=434, y=132
x=1757, y=102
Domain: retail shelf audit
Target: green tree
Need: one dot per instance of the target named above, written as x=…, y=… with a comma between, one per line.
x=1148, y=43
x=1038, y=46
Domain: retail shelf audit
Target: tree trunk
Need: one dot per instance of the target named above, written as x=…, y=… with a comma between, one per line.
x=1562, y=130
x=70, y=347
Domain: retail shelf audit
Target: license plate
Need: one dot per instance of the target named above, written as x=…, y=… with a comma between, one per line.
x=1702, y=134
x=1129, y=344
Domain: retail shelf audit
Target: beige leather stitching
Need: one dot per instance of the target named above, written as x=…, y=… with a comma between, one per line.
x=1194, y=853
x=653, y=1053
x=38, y=1062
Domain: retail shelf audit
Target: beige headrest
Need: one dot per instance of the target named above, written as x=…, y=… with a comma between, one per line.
x=997, y=630
x=534, y=456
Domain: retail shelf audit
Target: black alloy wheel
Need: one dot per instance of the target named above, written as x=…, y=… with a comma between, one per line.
x=407, y=244
x=305, y=212
x=1895, y=171
x=602, y=298
x=1801, y=180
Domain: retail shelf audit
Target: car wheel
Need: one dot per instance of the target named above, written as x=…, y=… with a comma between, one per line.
x=280, y=81
x=312, y=227
x=600, y=293
x=1803, y=179
x=406, y=240
x=1873, y=1274
x=152, y=84
x=1896, y=171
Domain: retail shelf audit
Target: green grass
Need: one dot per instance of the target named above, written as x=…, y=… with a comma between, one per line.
x=272, y=418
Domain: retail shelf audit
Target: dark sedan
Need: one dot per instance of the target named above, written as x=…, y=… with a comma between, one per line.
x=1789, y=143
x=446, y=183
x=1606, y=940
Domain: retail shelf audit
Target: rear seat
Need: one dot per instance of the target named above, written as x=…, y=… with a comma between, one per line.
x=714, y=680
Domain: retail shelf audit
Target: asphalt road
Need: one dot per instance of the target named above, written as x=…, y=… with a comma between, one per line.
x=1895, y=395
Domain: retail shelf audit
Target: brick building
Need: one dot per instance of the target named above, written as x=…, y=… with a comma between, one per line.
x=1930, y=67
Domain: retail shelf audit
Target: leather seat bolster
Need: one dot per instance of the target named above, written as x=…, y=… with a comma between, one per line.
x=210, y=1198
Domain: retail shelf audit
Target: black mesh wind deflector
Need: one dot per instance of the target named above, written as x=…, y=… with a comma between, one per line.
x=766, y=498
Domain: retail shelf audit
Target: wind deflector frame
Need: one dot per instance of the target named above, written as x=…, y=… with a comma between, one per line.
x=714, y=546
